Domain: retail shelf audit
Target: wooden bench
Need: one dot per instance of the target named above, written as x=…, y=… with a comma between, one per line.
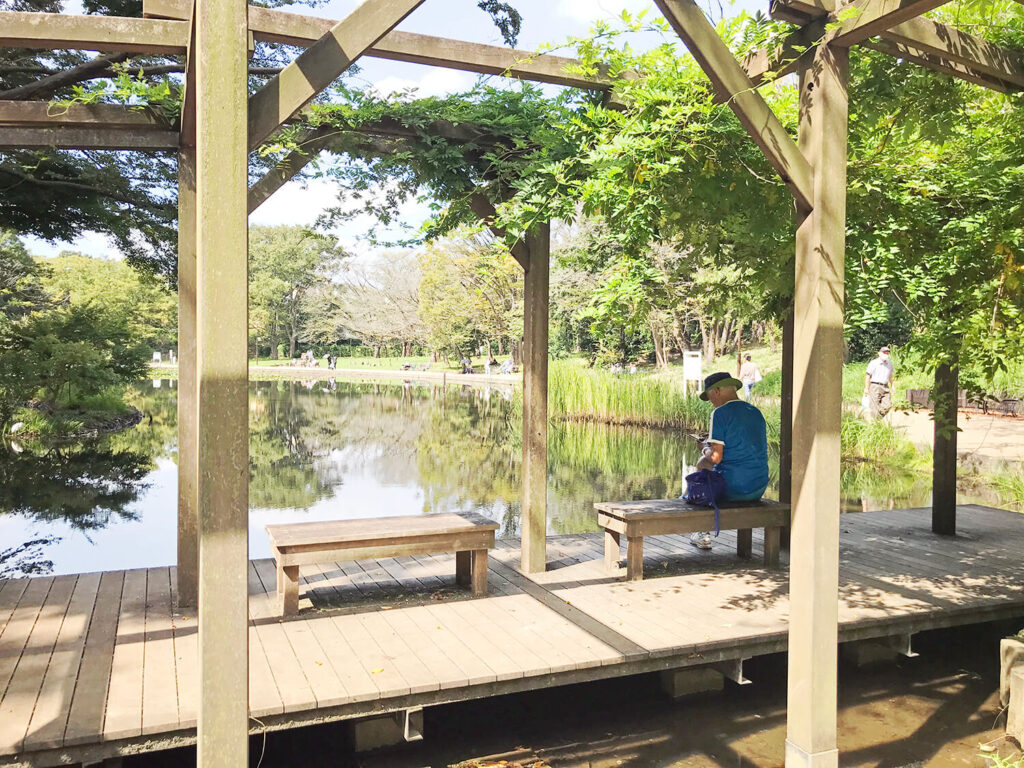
x=468, y=535
x=636, y=519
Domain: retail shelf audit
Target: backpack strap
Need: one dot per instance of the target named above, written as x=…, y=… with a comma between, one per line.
x=718, y=517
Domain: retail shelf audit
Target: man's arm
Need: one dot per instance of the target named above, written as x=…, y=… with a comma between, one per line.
x=713, y=455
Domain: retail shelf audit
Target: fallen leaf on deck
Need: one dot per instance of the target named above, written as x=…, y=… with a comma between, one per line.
x=378, y=670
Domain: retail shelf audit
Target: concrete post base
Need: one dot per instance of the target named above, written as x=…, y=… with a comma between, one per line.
x=1011, y=656
x=866, y=653
x=387, y=730
x=798, y=758
x=690, y=681
x=1015, y=712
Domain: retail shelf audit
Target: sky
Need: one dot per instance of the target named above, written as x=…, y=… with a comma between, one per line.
x=544, y=22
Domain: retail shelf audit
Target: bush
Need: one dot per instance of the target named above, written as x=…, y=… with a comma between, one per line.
x=63, y=356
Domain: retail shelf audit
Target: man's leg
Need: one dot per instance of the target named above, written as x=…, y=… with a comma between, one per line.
x=884, y=402
x=873, y=399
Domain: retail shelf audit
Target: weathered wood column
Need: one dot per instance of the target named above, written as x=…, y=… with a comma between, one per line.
x=188, y=425
x=947, y=379
x=222, y=322
x=786, y=420
x=817, y=392
x=534, y=519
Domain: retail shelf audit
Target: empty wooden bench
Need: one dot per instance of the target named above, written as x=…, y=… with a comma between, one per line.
x=636, y=519
x=468, y=535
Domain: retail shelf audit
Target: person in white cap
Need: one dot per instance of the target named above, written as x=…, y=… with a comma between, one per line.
x=877, y=384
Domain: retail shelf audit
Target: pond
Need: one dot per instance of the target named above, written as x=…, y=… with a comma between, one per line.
x=324, y=450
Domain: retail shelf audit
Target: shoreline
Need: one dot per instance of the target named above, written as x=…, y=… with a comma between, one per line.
x=301, y=373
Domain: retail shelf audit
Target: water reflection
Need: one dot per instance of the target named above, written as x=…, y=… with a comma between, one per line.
x=329, y=450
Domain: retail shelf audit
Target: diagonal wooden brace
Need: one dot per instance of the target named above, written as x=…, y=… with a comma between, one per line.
x=732, y=83
x=321, y=64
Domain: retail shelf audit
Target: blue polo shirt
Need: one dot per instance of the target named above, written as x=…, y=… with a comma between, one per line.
x=741, y=429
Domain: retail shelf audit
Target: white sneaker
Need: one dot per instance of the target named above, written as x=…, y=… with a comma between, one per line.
x=701, y=540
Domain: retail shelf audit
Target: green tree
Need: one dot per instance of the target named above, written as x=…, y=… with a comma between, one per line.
x=148, y=307
x=286, y=265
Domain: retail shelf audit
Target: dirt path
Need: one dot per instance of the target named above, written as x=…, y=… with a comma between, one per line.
x=981, y=436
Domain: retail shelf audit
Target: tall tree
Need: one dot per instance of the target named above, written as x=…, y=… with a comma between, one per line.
x=286, y=265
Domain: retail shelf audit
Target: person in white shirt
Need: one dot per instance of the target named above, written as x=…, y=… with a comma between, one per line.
x=877, y=384
x=750, y=374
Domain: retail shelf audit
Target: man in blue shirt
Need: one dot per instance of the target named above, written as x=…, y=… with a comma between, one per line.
x=737, y=444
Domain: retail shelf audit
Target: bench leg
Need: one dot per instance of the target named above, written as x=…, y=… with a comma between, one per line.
x=463, y=568
x=634, y=558
x=745, y=543
x=612, y=540
x=479, y=571
x=772, y=544
x=288, y=589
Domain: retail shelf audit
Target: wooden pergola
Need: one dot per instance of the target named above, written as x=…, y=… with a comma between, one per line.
x=221, y=124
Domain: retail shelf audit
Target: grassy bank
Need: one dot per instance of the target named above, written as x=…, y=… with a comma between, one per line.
x=578, y=394
x=100, y=413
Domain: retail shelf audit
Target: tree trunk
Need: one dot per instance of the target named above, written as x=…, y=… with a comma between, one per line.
x=292, y=340
x=659, y=348
x=501, y=345
x=739, y=347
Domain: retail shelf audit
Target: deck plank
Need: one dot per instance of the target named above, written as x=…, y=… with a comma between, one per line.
x=18, y=628
x=371, y=639
x=159, y=676
x=124, y=698
x=295, y=691
x=22, y=691
x=50, y=717
x=264, y=697
x=88, y=704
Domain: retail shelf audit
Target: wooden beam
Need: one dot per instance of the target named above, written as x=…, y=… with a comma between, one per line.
x=951, y=45
x=222, y=375
x=783, y=57
x=187, y=572
x=272, y=25
x=21, y=29
x=939, y=64
x=321, y=64
x=533, y=522
x=70, y=137
x=290, y=166
x=944, y=398
x=929, y=43
x=874, y=17
x=817, y=414
x=35, y=114
x=732, y=83
x=188, y=95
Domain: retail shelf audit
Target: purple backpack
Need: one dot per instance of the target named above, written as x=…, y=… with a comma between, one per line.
x=706, y=488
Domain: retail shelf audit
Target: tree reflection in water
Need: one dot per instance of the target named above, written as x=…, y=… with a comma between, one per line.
x=322, y=449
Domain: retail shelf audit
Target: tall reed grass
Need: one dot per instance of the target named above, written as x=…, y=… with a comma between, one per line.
x=578, y=394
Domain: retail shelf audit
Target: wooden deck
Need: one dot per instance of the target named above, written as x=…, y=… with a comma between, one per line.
x=99, y=664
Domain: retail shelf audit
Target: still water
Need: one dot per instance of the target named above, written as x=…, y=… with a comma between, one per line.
x=331, y=450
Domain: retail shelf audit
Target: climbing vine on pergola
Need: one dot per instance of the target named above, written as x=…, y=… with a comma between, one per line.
x=220, y=124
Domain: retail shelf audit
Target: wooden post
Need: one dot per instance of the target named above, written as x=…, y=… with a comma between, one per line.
x=534, y=519
x=947, y=381
x=221, y=58
x=817, y=392
x=188, y=465
x=786, y=420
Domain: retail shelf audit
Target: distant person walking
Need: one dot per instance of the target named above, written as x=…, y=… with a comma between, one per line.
x=750, y=374
x=878, y=383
